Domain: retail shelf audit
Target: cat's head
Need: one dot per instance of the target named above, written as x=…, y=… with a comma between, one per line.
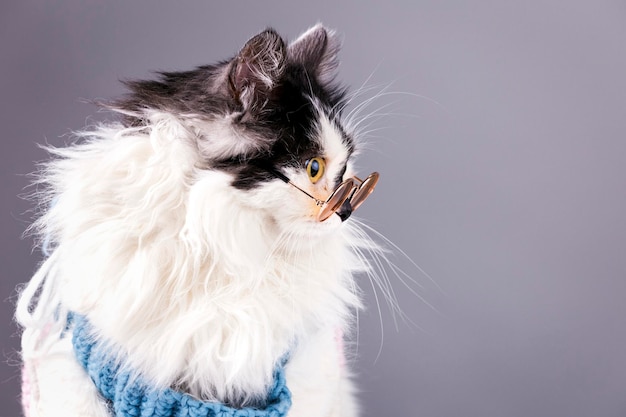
x=270, y=119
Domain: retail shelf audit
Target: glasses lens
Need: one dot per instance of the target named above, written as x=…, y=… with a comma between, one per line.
x=364, y=190
x=336, y=199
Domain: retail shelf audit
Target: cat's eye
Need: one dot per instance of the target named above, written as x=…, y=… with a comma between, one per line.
x=315, y=169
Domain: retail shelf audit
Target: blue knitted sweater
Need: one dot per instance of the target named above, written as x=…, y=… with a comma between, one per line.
x=130, y=397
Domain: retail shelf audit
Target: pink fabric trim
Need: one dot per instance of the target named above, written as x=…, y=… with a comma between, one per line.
x=26, y=392
x=340, y=348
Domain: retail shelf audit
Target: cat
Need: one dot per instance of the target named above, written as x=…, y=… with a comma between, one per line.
x=191, y=247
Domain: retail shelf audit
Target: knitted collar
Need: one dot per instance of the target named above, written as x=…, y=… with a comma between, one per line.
x=130, y=397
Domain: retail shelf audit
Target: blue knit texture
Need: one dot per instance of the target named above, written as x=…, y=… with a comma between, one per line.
x=130, y=397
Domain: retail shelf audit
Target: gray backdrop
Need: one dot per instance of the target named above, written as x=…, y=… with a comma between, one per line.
x=501, y=147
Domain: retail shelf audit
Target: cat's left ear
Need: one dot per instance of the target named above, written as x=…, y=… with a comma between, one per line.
x=317, y=50
x=257, y=69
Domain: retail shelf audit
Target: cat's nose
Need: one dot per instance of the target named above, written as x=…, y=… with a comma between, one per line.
x=345, y=211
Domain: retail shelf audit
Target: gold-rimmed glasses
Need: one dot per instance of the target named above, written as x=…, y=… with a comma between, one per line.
x=353, y=190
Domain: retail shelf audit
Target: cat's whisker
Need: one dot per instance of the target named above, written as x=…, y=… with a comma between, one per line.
x=404, y=254
x=370, y=117
x=384, y=93
x=356, y=111
x=367, y=134
x=354, y=119
x=358, y=92
x=372, y=280
x=361, y=106
x=380, y=263
x=378, y=274
x=341, y=106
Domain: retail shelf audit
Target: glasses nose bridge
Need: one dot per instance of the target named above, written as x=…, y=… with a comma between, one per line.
x=358, y=179
x=352, y=192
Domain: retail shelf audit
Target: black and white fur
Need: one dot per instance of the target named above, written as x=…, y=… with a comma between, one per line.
x=199, y=266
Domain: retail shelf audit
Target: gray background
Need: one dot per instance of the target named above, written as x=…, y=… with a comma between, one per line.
x=502, y=177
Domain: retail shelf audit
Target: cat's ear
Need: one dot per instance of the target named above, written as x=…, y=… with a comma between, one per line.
x=317, y=50
x=257, y=69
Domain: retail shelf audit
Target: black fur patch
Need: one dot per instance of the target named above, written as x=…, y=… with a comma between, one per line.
x=286, y=120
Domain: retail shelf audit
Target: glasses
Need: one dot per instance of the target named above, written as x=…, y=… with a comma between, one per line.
x=353, y=190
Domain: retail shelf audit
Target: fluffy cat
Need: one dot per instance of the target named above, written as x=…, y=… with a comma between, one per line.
x=180, y=236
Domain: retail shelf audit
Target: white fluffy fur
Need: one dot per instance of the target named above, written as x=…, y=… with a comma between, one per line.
x=200, y=286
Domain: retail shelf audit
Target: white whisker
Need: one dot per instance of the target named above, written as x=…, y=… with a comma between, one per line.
x=403, y=253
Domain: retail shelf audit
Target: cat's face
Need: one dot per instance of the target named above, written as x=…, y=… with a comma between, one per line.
x=317, y=171
x=272, y=108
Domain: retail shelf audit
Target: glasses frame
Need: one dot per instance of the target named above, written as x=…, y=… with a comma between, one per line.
x=354, y=189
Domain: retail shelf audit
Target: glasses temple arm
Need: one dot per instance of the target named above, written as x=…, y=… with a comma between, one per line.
x=286, y=180
x=277, y=174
